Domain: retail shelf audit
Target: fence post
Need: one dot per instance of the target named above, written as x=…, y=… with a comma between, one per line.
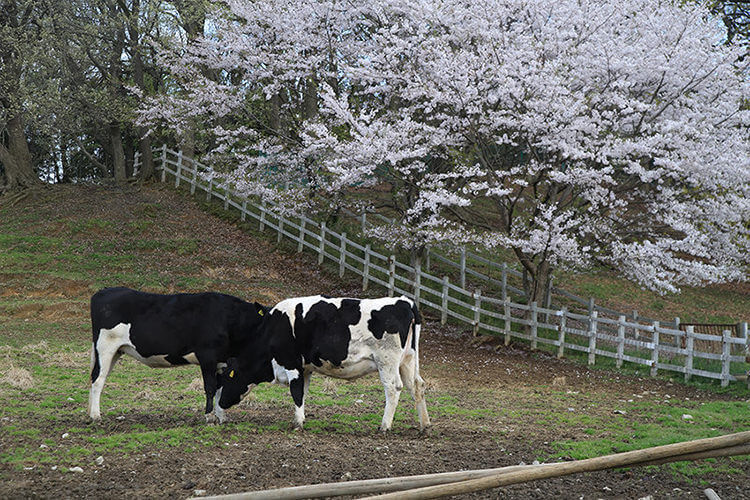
x=507, y=325
x=301, y=243
x=417, y=282
x=444, y=302
x=391, y=275
x=194, y=180
x=548, y=299
x=342, y=255
x=209, y=189
x=690, y=340
x=725, y=357
x=427, y=259
x=179, y=169
x=477, y=308
x=366, y=270
x=280, y=228
x=636, y=331
x=364, y=221
x=561, y=332
x=655, y=352
x=533, y=325
x=164, y=162
x=504, y=277
x=742, y=327
x=262, y=223
x=321, y=249
x=620, y=340
x=592, y=336
x=243, y=210
x=463, y=267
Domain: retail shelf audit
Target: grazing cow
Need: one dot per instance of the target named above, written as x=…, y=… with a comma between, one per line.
x=339, y=337
x=169, y=330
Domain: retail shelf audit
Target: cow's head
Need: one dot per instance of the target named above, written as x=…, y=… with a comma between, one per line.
x=235, y=383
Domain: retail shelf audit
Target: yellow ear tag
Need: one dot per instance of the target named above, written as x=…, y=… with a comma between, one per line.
x=260, y=311
x=231, y=374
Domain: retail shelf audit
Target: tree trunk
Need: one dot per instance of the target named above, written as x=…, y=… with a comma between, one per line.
x=64, y=164
x=310, y=103
x=118, y=155
x=16, y=158
x=146, y=170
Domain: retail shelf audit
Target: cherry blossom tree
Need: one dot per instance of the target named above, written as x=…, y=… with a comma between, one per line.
x=573, y=132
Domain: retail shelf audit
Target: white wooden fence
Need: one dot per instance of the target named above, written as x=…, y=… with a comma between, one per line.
x=620, y=338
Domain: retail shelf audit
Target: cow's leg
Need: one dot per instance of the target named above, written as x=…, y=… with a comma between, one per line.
x=392, y=385
x=415, y=385
x=210, y=384
x=104, y=355
x=298, y=387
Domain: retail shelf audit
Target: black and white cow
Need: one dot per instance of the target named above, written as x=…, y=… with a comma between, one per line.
x=339, y=337
x=169, y=330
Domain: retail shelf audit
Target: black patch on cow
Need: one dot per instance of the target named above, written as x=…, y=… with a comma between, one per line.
x=394, y=318
x=174, y=359
x=323, y=333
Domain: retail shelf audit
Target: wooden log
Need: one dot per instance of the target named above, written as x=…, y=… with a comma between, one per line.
x=365, y=486
x=390, y=484
x=729, y=451
x=566, y=468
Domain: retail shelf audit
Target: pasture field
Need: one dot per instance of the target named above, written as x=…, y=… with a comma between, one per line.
x=489, y=408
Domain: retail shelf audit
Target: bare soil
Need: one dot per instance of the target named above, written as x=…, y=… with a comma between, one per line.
x=511, y=377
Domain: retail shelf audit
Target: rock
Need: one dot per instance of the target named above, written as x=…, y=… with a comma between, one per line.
x=66, y=435
x=199, y=493
x=75, y=469
x=619, y=412
x=43, y=446
x=687, y=416
x=99, y=460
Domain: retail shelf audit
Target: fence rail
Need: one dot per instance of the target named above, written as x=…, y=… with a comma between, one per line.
x=623, y=338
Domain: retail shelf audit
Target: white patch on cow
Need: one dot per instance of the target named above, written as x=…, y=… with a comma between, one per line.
x=218, y=411
x=192, y=358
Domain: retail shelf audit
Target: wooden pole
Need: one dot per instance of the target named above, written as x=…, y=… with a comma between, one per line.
x=655, y=352
x=366, y=269
x=477, y=310
x=444, y=302
x=689, y=345
x=561, y=332
x=391, y=275
x=567, y=468
x=402, y=483
x=301, y=243
x=620, y=340
x=364, y=486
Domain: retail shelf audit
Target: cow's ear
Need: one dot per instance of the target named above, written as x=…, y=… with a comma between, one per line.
x=231, y=369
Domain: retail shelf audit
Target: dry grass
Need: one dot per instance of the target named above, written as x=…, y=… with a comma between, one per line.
x=19, y=378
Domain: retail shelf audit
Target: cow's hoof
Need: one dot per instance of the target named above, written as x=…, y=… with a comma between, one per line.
x=426, y=431
x=212, y=419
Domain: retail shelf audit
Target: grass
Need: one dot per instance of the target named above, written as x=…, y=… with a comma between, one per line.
x=50, y=268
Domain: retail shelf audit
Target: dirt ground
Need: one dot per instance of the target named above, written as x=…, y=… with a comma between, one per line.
x=275, y=459
x=451, y=363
